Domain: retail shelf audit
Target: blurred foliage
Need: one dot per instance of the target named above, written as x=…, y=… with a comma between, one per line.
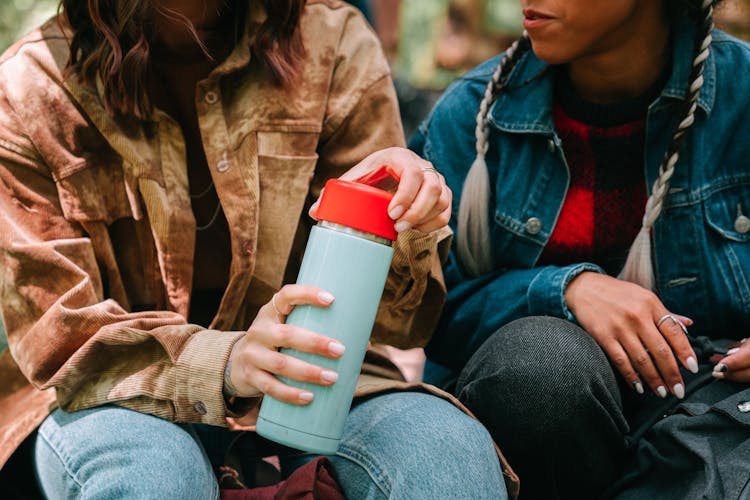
x=18, y=17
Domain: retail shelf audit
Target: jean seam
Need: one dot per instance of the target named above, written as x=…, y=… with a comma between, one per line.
x=378, y=476
x=59, y=455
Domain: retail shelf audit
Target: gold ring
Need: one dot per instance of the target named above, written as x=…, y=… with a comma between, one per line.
x=275, y=307
x=430, y=169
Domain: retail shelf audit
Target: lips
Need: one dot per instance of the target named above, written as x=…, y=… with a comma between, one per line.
x=534, y=19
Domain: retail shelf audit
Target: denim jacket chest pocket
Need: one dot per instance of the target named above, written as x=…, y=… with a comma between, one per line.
x=708, y=273
x=727, y=218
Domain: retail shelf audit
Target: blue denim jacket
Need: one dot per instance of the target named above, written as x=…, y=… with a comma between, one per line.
x=701, y=240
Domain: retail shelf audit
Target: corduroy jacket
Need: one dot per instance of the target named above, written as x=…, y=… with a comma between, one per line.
x=97, y=233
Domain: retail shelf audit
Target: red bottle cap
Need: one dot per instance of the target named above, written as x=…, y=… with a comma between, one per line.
x=357, y=206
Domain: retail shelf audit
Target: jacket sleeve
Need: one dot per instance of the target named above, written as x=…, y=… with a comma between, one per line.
x=476, y=308
x=363, y=117
x=65, y=334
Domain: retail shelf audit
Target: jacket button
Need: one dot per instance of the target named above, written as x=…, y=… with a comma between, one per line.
x=533, y=225
x=744, y=407
x=200, y=408
x=551, y=146
x=211, y=97
x=742, y=224
x=223, y=165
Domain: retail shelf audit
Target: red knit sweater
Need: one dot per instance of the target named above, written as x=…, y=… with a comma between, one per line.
x=606, y=198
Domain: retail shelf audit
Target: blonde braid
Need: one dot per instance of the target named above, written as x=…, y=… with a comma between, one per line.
x=638, y=266
x=474, y=246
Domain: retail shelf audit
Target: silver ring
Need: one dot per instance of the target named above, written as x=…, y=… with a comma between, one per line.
x=275, y=308
x=674, y=320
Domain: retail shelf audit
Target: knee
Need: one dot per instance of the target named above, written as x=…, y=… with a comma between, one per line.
x=400, y=450
x=534, y=366
x=116, y=453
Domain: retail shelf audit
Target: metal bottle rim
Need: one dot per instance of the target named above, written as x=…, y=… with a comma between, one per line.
x=355, y=232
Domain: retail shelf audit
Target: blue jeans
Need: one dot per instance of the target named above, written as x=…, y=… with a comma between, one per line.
x=399, y=445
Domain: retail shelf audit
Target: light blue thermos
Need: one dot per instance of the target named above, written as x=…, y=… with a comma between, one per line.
x=348, y=254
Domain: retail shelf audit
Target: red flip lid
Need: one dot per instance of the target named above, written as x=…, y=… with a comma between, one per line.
x=357, y=206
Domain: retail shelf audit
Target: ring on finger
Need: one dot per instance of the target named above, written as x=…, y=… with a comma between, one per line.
x=430, y=169
x=276, y=308
x=674, y=320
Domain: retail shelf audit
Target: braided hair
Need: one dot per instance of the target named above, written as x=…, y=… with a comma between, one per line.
x=474, y=247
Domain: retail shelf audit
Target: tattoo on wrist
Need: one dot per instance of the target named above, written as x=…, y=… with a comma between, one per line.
x=229, y=390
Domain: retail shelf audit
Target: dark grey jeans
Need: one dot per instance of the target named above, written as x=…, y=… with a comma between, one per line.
x=571, y=428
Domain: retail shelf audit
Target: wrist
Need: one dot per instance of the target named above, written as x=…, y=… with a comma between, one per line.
x=228, y=389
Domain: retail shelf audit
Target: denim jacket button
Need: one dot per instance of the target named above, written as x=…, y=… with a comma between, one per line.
x=744, y=407
x=533, y=225
x=551, y=146
x=742, y=224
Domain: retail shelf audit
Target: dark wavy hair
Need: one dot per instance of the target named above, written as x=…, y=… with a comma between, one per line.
x=112, y=41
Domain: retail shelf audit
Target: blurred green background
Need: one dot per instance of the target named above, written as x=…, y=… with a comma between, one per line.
x=18, y=17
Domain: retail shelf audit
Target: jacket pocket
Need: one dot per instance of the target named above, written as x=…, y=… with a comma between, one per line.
x=95, y=193
x=727, y=215
x=286, y=165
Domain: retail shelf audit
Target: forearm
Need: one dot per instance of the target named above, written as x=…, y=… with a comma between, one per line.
x=476, y=308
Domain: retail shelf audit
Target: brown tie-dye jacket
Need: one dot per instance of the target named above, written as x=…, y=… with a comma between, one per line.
x=97, y=233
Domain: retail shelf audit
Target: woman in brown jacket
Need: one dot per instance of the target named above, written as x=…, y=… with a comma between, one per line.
x=157, y=163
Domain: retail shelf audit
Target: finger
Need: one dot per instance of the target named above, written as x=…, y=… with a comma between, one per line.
x=415, y=181
x=733, y=364
x=281, y=335
x=736, y=376
x=291, y=295
x=313, y=211
x=619, y=358
x=440, y=214
x=684, y=319
x=436, y=223
x=644, y=365
x=270, y=385
x=284, y=365
x=675, y=332
x=664, y=358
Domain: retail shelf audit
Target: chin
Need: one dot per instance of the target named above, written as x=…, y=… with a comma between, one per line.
x=550, y=53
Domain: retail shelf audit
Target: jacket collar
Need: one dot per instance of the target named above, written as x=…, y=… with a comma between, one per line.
x=532, y=81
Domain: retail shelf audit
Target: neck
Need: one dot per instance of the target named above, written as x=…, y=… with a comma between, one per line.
x=177, y=18
x=628, y=70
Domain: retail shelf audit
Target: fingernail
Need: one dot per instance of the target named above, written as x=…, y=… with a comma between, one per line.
x=329, y=376
x=326, y=297
x=742, y=341
x=661, y=391
x=721, y=368
x=402, y=226
x=336, y=348
x=679, y=391
x=733, y=350
x=692, y=364
x=638, y=387
x=396, y=212
x=718, y=375
x=306, y=396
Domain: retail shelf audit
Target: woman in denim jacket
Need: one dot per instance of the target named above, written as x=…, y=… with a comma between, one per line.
x=601, y=269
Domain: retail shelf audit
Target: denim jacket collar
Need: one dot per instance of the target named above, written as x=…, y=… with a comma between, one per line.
x=532, y=81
